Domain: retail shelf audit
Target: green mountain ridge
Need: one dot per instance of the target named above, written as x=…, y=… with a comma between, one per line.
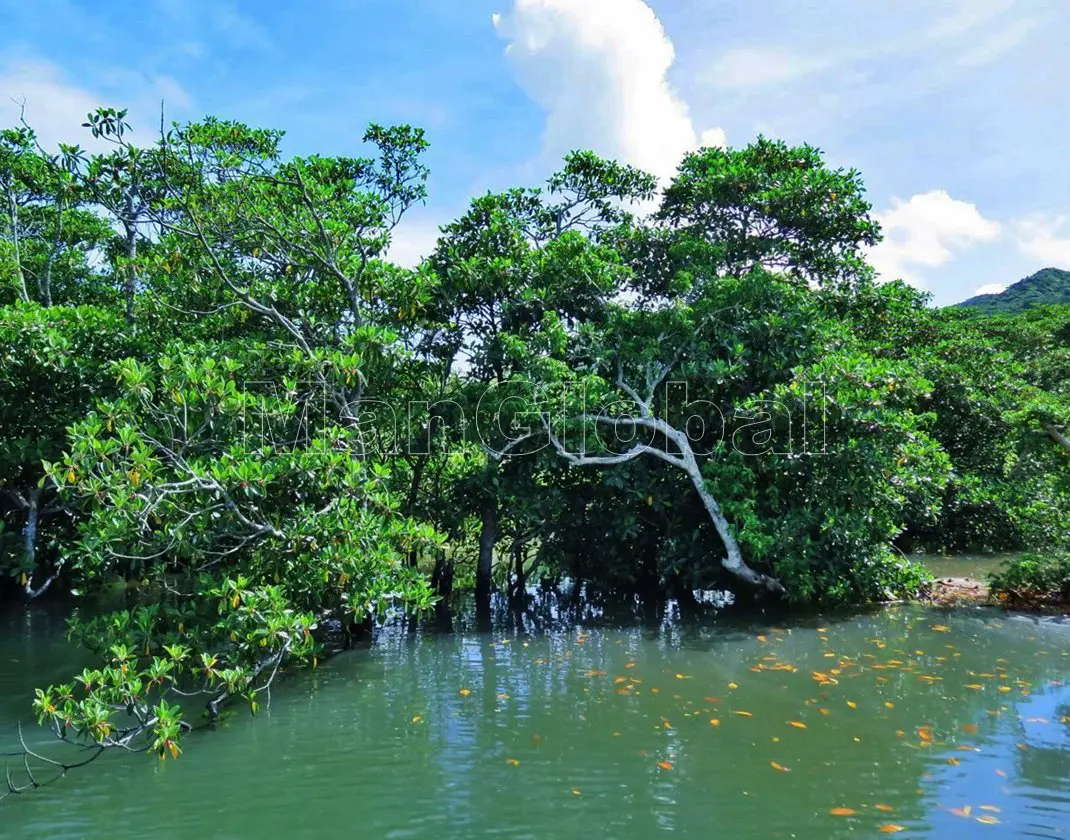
x=1049, y=285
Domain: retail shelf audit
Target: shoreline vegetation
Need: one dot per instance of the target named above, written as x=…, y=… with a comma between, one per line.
x=218, y=390
x=1032, y=583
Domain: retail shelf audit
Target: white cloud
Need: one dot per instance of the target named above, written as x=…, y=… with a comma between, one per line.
x=599, y=70
x=989, y=289
x=927, y=231
x=412, y=240
x=1046, y=240
x=713, y=137
x=55, y=107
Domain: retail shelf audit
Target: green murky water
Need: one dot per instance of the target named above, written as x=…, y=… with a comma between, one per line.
x=975, y=566
x=944, y=724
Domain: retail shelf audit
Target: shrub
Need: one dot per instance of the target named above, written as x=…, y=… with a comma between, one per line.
x=1032, y=579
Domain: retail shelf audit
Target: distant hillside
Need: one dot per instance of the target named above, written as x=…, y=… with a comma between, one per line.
x=1049, y=285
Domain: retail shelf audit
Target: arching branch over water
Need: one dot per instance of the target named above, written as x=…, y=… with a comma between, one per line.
x=685, y=460
x=677, y=452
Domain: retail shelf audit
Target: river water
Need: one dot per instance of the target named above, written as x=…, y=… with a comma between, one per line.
x=906, y=720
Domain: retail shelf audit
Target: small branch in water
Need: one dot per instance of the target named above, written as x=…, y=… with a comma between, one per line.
x=25, y=753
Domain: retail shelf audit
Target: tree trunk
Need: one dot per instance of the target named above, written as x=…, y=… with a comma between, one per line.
x=683, y=594
x=13, y=216
x=44, y=279
x=29, y=535
x=518, y=589
x=1057, y=436
x=410, y=502
x=130, y=252
x=519, y=577
x=31, y=504
x=733, y=560
x=488, y=536
x=442, y=576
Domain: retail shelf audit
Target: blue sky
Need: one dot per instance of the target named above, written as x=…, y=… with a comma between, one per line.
x=952, y=109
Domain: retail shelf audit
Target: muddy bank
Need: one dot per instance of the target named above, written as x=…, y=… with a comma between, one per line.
x=971, y=592
x=959, y=591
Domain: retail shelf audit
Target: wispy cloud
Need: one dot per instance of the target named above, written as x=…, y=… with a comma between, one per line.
x=966, y=16
x=241, y=31
x=753, y=67
x=932, y=38
x=1045, y=239
x=996, y=44
x=220, y=22
x=56, y=105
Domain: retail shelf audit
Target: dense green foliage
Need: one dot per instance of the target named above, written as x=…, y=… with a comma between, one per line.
x=1000, y=395
x=1033, y=579
x=1047, y=286
x=54, y=365
x=220, y=394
